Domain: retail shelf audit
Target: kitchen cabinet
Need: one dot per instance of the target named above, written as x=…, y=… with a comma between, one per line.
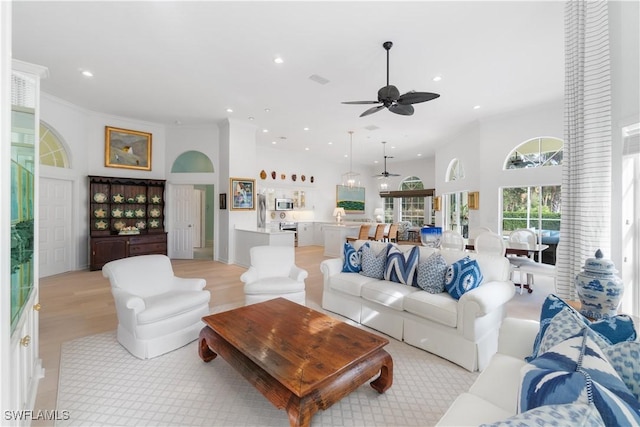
x=126, y=218
x=305, y=234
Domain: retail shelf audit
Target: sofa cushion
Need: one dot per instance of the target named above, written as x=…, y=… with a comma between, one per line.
x=440, y=308
x=349, y=283
x=470, y=410
x=572, y=414
x=577, y=371
x=389, y=294
x=462, y=276
x=614, y=330
x=431, y=274
x=372, y=263
x=499, y=382
x=401, y=267
x=351, y=259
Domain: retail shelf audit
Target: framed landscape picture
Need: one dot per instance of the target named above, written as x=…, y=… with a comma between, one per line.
x=350, y=198
x=242, y=193
x=128, y=149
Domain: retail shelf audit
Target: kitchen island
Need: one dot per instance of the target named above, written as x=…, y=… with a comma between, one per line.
x=335, y=235
x=248, y=237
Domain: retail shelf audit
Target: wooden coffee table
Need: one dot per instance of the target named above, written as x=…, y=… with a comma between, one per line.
x=298, y=358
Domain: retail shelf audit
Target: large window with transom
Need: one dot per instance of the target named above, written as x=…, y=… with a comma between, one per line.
x=412, y=208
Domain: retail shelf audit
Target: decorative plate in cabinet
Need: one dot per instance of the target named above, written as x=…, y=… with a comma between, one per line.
x=100, y=213
x=156, y=200
x=141, y=198
x=139, y=213
x=154, y=223
x=141, y=225
x=99, y=197
x=119, y=225
x=118, y=198
x=154, y=213
x=101, y=224
x=129, y=213
x=117, y=213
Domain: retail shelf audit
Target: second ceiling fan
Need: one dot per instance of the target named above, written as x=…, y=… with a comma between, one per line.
x=385, y=173
x=389, y=96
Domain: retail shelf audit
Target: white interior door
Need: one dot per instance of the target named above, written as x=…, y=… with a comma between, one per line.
x=55, y=226
x=182, y=220
x=198, y=196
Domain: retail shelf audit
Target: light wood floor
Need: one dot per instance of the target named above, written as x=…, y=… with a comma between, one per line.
x=78, y=304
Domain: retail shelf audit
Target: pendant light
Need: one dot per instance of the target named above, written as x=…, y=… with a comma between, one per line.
x=350, y=179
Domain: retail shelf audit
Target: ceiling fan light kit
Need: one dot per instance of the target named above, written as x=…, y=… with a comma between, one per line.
x=389, y=96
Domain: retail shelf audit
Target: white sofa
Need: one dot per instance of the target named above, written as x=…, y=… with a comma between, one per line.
x=494, y=395
x=463, y=331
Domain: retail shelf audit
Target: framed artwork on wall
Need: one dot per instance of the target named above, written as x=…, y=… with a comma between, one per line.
x=242, y=193
x=128, y=149
x=350, y=198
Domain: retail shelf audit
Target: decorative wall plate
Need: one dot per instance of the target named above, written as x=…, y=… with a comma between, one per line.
x=131, y=200
x=294, y=177
x=99, y=197
x=118, y=198
x=117, y=213
x=154, y=213
x=139, y=213
x=283, y=176
x=263, y=174
x=283, y=215
x=154, y=223
x=101, y=224
x=311, y=179
x=119, y=225
x=156, y=200
x=129, y=213
x=273, y=174
x=303, y=178
x=100, y=213
x=141, y=225
x=273, y=215
x=141, y=198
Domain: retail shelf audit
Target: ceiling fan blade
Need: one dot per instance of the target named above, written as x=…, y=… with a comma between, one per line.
x=372, y=110
x=388, y=93
x=404, y=110
x=361, y=102
x=416, y=97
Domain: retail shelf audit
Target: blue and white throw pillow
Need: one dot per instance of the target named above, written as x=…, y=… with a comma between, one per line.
x=372, y=264
x=351, y=262
x=577, y=371
x=625, y=358
x=462, y=276
x=614, y=329
x=431, y=274
x=572, y=414
x=402, y=267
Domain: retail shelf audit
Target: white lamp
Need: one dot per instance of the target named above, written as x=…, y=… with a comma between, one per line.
x=338, y=213
x=379, y=214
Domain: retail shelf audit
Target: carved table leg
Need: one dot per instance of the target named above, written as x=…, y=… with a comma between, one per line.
x=204, y=350
x=384, y=381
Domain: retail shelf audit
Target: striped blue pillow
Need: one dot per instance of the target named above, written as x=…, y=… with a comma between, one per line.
x=402, y=267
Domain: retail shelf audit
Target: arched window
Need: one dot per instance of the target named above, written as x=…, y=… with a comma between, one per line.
x=536, y=152
x=192, y=162
x=52, y=147
x=455, y=171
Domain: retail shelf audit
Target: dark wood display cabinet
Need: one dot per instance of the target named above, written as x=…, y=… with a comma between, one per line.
x=126, y=218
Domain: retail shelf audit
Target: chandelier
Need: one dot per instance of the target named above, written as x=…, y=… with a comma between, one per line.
x=350, y=179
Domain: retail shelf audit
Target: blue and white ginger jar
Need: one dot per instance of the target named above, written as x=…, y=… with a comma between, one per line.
x=599, y=289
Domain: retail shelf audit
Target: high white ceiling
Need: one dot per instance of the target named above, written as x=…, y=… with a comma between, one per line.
x=188, y=62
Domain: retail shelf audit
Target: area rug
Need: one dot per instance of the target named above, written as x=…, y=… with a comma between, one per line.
x=101, y=384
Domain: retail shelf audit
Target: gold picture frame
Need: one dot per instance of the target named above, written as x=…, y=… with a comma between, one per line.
x=127, y=149
x=243, y=193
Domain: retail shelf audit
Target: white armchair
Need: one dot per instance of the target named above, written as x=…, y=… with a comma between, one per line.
x=157, y=311
x=273, y=274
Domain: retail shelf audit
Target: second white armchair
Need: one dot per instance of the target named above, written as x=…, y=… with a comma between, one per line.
x=273, y=274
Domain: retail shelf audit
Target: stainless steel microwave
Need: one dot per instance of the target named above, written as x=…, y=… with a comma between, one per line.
x=284, y=204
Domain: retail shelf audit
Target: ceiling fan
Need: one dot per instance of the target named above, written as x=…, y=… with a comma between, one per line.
x=385, y=174
x=389, y=96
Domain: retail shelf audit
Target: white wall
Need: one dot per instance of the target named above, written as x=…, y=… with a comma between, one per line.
x=483, y=147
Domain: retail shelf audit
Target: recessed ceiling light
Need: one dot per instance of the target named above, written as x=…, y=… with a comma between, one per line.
x=306, y=149
x=274, y=142
x=265, y=130
x=375, y=161
x=330, y=143
x=419, y=154
x=475, y=107
x=251, y=118
x=229, y=110
x=346, y=156
x=266, y=110
x=87, y=73
x=278, y=60
x=437, y=78
x=306, y=128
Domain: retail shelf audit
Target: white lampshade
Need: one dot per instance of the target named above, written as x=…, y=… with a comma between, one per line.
x=338, y=211
x=378, y=213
